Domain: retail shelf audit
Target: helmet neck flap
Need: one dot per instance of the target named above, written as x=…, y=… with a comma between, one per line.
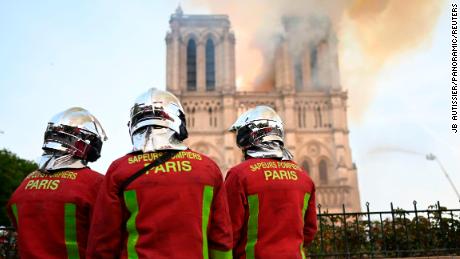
x=51, y=161
x=270, y=149
x=150, y=139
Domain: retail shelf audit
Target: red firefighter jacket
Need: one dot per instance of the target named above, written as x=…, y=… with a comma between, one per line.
x=272, y=206
x=176, y=210
x=52, y=212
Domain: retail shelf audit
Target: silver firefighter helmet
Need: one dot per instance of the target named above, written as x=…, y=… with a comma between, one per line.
x=72, y=137
x=260, y=133
x=259, y=124
x=157, y=122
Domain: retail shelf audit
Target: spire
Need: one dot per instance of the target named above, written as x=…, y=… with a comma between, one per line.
x=179, y=11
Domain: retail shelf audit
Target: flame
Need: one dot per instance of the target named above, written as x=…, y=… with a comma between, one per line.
x=239, y=81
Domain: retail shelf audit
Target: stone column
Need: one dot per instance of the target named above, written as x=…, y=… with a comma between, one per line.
x=288, y=68
x=289, y=120
x=284, y=77
x=168, y=41
x=219, y=65
x=201, y=67
x=175, y=77
x=225, y=62
x=182, y=66
x=232, y=63
x=228, y=46
x=307, y=84
x=172, y=63
x=355, y=196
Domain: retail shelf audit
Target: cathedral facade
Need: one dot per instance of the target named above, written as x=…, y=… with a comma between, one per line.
x=306, y=92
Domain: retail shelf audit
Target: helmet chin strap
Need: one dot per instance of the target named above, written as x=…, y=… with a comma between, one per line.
x=51, y=161
x=271, y=149
x=153, y=139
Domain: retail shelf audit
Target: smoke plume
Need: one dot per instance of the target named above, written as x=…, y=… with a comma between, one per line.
x=393, y=149
x=369, y=33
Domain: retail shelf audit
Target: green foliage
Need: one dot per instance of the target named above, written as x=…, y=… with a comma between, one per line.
x=12, y=171
x=435, y=231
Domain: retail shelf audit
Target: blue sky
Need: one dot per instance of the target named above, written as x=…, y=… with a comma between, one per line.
x=101, y=54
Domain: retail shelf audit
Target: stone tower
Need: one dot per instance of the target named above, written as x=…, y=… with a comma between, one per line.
x=306, y=93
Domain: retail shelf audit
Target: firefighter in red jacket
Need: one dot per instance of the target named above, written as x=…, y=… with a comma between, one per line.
x=271, y=199
x=51, y=209
x=177, y=209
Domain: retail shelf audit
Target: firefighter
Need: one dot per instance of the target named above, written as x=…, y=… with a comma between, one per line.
x=51, y=209
x=271, y=199
x=162, y=200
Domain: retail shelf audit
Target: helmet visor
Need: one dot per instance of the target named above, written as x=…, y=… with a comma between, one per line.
x=70, y=140
x=146, y=115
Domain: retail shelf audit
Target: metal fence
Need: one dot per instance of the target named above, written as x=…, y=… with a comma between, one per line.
x=394, y=233
x=8, y=243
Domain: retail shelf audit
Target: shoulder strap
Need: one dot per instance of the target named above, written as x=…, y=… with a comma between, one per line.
x=165, y=157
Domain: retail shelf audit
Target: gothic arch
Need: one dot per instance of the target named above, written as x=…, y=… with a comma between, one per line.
x=188, y=36
x=209, y=34
x=303, y=114
x=203, y=113
x=307, y=164
x=324, y=170
x=324, y=151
